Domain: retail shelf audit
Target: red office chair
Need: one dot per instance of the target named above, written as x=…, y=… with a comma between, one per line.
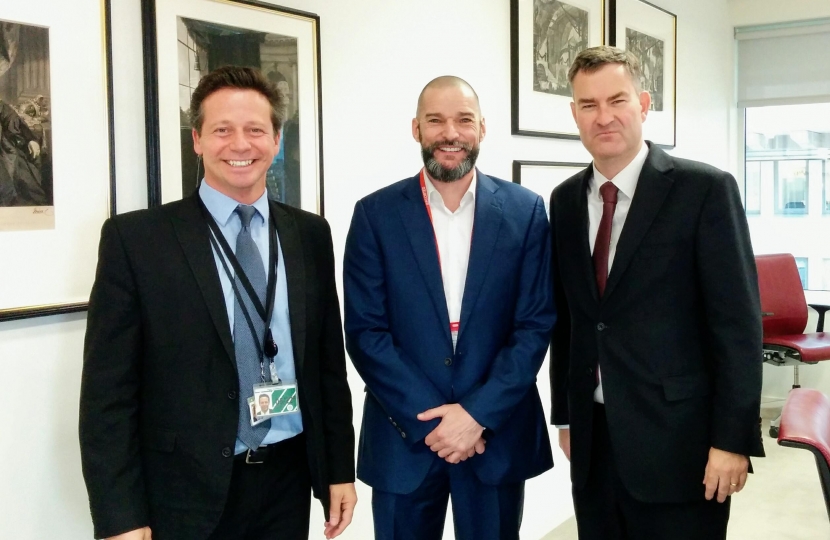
x=805, y=423
x=784, y=311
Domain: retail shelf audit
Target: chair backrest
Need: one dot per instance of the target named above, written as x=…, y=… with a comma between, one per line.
x=782, y=298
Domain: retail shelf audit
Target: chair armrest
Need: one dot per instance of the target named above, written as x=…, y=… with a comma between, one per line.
x=821, y=309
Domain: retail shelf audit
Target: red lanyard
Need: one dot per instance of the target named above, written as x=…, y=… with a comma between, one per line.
x=429, y=213
x=454, y=325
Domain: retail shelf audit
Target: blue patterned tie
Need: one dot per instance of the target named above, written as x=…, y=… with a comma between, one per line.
x=247, y=355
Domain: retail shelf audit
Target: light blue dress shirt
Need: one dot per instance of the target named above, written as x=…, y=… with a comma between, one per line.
x=222, y=208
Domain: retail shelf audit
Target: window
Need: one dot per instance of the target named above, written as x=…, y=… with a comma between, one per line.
x=826, y=183
x=787, y=186
x=753, y=187
x=801, y=263
x=791, y=187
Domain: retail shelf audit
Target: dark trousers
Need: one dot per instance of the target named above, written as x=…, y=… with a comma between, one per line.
x=270, y=500
x=606, y=511
x=480, y=512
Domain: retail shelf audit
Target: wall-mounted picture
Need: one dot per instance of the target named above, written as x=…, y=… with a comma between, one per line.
x=545, y=37
x=190, y=38
x=205, y=46
x=26, y=190
x=650, y=51
x=560, y=32
x=542, y=177
x=56, y=166
x=650, y=33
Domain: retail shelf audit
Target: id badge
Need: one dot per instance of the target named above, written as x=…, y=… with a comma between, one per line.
x=282, y=398
x=253, y=409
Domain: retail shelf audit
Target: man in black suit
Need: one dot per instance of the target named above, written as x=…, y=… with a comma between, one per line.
x=168, y=444
x=656, y=357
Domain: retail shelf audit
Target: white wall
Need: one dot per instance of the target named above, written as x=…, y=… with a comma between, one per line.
x=376, y=56
x=778, y=380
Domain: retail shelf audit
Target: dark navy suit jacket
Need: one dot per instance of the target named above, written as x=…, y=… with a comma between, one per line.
x=397, y=332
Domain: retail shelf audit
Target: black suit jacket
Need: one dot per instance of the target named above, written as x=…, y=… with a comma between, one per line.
x=677, y=334
x=159, y=391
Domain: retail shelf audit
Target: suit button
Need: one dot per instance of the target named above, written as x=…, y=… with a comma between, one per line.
x=227, y=452
x=232, y=395
x=601, y=327
x=403, y=434
x=447, y=362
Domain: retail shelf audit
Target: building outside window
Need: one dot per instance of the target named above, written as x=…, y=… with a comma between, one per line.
x=787, y=186
x=791, y=187
x=801, y=263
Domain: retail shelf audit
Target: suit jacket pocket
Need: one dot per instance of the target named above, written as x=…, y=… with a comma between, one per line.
x=159, y=440
x=678, y=387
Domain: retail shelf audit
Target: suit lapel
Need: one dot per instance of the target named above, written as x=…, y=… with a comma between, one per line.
x=294, y=261
x=421, y=236
x=192, y=233
x=583, y=248
x=486, y=225
x=652, y=188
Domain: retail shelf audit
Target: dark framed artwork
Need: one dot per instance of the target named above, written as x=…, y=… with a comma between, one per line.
x=57, y=181
x=545, y=37
x=186, y=39
x=542, y=176
x=650, y=33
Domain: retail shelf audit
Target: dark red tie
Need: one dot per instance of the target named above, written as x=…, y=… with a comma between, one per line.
x=608, y=191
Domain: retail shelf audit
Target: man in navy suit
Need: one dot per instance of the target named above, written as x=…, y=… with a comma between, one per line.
x=447, y=307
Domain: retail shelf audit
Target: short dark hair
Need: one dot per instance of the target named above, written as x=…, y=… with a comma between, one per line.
x=593, y=58
x=243, y=78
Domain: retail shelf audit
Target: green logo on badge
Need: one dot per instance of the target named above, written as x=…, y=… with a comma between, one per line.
x=284, y=400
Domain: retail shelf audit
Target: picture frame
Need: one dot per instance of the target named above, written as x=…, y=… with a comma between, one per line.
x=541, y=177
x=49, y=262
x=650, y=32
x=545, y=37
x=186, y=39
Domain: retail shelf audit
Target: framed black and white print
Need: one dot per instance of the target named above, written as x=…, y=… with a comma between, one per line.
x=545, y=37
x=650, y=33
x=185, y=40
x=541, y=177
x=56, y=166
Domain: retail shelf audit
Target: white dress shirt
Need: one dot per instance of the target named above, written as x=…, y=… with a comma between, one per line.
x=453, y=233
x=626, y=182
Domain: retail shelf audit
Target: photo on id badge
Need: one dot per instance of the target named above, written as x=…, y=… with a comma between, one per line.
x=279, y=398
x=254, y=409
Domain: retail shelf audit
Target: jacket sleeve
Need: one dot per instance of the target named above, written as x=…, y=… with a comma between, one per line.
x=731, y=301
x=110, y=387
x=401, y=388
x=516, y=365
x=336, y=396
x=560, y=337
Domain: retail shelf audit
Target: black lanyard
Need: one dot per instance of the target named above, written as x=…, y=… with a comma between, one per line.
x=269, y=346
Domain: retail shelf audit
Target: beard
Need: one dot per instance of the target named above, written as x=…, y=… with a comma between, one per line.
x=442, y=174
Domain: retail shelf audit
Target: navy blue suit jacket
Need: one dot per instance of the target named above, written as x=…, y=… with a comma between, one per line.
x=397, y=332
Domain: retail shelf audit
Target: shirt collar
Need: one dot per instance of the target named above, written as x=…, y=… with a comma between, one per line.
x=471, y=191
x=222, y=207
x=626, y=179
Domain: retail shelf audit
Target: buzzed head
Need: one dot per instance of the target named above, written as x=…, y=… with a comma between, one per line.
x=447, y=81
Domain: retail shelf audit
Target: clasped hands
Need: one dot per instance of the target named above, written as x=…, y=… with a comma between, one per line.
x=458, y=436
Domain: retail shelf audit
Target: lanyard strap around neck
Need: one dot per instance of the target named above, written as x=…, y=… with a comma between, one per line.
x=220, y=245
